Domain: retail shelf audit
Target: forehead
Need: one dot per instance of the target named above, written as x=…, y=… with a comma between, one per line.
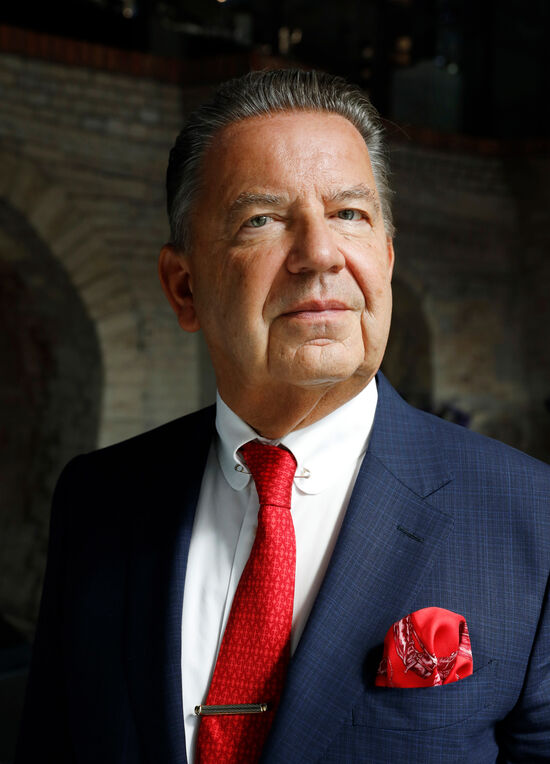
x=292, y=153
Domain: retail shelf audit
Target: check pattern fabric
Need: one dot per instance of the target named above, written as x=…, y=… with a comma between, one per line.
x=255, y=649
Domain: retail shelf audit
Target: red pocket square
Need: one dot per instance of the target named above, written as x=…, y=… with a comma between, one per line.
x=426, y=648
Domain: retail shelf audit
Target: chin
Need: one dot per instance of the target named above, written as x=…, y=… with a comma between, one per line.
x=318, y=365
x=320, y=376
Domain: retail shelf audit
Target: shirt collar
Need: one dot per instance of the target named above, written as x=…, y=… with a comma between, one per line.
x=322, y=450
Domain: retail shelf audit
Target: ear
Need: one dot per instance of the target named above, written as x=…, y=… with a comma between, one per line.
x=175, y=277
x=391, y=254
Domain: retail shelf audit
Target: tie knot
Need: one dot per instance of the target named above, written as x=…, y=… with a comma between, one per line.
x=273, y=471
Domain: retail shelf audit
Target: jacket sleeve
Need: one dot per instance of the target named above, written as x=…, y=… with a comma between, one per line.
x=44, y=734
x=526, y=731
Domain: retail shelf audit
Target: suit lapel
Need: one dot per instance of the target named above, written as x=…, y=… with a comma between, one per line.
x=389, y=537
x=166, y=497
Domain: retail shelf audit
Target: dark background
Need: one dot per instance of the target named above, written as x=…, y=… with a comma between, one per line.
x=487, y=58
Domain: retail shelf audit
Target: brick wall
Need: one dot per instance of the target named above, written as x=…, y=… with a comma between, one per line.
x=83, y=155
x=471, y=245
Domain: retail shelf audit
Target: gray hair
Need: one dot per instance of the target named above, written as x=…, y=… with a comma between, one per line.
x=259, y=93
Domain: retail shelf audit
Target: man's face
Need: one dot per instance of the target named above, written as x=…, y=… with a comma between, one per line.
x=290, y=266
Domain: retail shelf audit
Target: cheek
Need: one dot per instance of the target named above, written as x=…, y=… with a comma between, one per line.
x=373, y=280
x=261, y=282
x=238, y=294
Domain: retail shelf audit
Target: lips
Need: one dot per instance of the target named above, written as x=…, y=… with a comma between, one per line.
x=316, y=306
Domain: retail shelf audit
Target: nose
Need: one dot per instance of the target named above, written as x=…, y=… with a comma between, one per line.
x=313, y=248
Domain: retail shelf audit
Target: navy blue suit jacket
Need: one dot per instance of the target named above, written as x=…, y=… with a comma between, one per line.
x=439, y=517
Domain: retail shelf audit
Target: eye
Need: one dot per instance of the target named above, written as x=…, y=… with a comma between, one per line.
x=258, y=221
x=350, y=215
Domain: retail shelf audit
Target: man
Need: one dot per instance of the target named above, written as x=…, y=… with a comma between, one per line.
x=282, y=254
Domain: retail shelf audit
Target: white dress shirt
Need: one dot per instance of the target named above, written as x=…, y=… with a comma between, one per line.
x=329, y=453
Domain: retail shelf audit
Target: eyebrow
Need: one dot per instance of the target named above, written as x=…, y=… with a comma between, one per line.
x=360, y=192
x=250, y=199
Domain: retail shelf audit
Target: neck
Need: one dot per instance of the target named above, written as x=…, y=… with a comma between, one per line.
x=275, y=413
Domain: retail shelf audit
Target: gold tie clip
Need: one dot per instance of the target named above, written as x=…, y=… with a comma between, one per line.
x=235, y=708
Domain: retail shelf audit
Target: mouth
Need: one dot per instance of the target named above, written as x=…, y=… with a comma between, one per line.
x=320, y=309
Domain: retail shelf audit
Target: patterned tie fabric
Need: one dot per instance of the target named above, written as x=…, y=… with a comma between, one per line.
x=255, y=649
x=426, y=648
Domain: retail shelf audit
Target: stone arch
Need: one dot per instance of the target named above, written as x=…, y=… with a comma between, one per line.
x=77, y=242
x=50, y=393
x=408, y=358
x=79, y=337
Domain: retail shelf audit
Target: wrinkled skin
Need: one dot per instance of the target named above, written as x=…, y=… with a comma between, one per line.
x=289, y=270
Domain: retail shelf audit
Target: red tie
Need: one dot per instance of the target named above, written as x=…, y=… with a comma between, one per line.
x=255, y=649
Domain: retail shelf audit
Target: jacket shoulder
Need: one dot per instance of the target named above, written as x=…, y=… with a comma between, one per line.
x=182, y=435
x=485, y=455
x=424, y=450
x=179, y=447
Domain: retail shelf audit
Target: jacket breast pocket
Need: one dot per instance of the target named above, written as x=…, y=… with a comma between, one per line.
x=425, y=708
